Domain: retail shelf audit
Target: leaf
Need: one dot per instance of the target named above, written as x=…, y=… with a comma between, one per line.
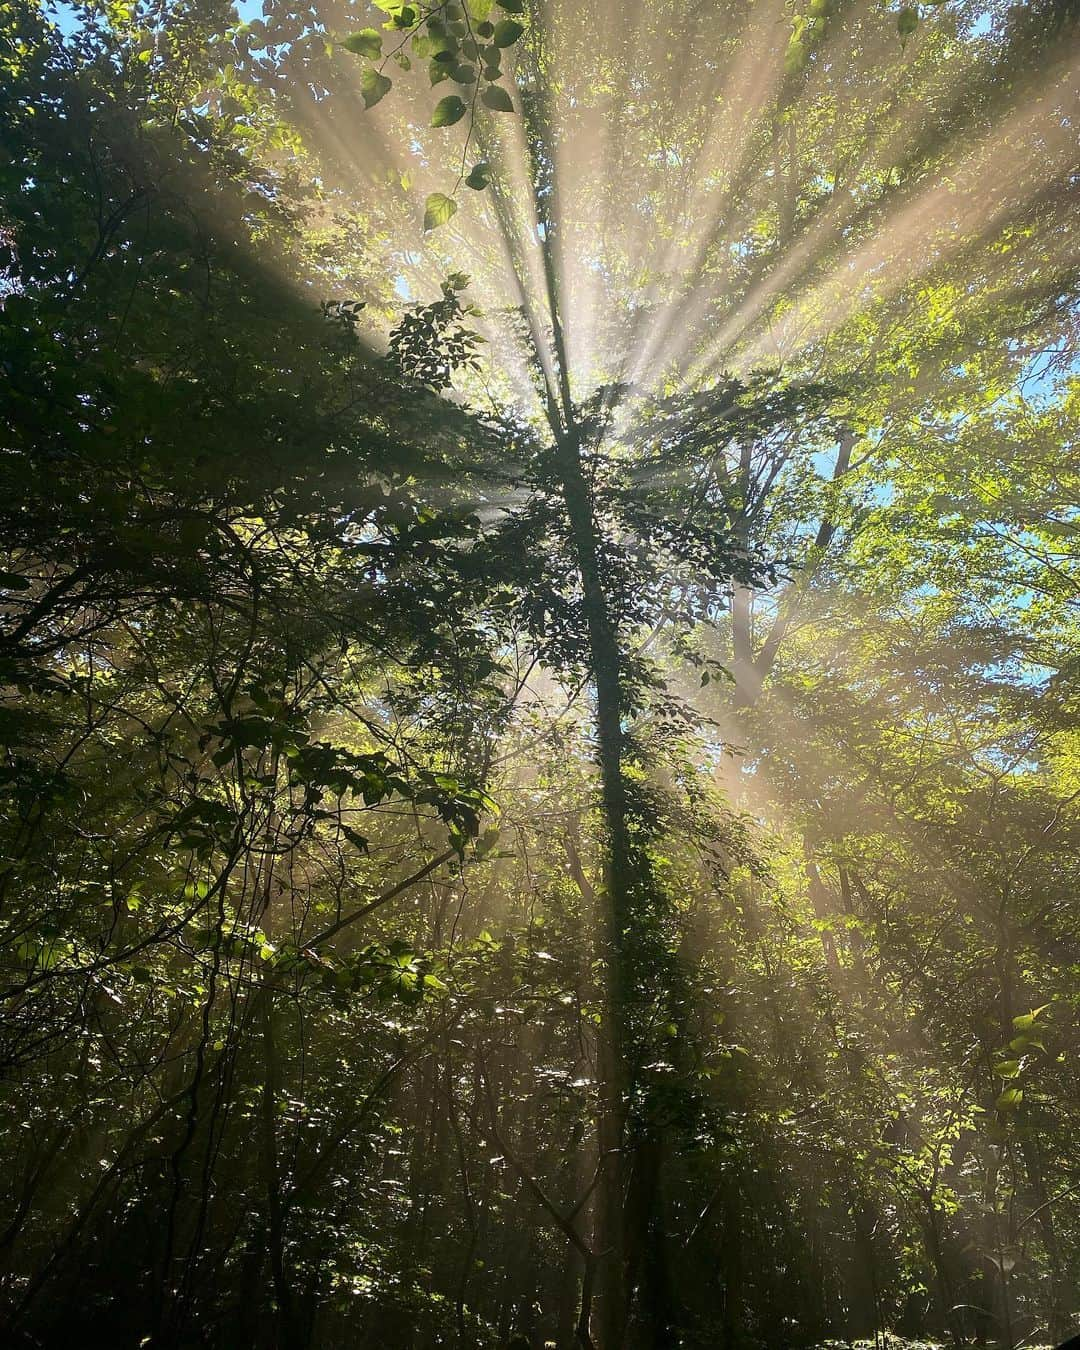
x=1008, y=1068
x=1026, y=1021
x=11, y=581
x=367, y=42
x=507, y=33
x=512, y=6
x=497, y=99
x=357, y=840
x=478, y=176
x=373, y=86
x=480, y=9
x=437, y=73
x=906, y=22
x=794, y=57
x=464, y=74
x=438, y=209
x=1009, y=1099
x=448, y=110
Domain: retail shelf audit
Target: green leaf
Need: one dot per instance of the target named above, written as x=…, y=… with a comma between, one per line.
x=367, y=42
x=507, y=33
x=438, y=209
x=795, y=56
x=11, y=581
x=512, y=6
x=480, y=9
x=437, y=72
x=373, y=86
x=478, y=176
x=906, y=22
x=448, y=110
x=1026, y=1021
x=1010, y=1099
x=1008, y=1068
x=464, y=74
x=497, y=99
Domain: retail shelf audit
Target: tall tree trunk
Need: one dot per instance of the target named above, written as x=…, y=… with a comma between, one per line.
x=611, y=1237
x=287, y=1337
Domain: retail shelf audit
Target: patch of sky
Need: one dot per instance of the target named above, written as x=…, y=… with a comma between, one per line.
x=981, y=25
x=68, y=18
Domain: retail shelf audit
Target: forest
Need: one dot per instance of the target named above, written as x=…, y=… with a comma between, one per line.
x=539, y=674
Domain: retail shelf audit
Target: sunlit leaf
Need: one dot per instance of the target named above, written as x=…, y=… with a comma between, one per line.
x=438, y=209
x=367, y=42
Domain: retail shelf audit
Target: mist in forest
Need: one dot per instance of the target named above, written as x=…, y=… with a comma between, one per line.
x=539, y=641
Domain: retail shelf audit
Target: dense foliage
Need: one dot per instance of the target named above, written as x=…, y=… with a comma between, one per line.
x=541, y=802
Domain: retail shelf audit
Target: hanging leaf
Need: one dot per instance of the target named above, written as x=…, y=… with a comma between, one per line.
x=438, y=209
x=497, y=99
x=373, y=86
x=368, y=42
x=464, y=74
x=906, y=22
x=507, y=33
x=448, y=110
x=478, y=176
